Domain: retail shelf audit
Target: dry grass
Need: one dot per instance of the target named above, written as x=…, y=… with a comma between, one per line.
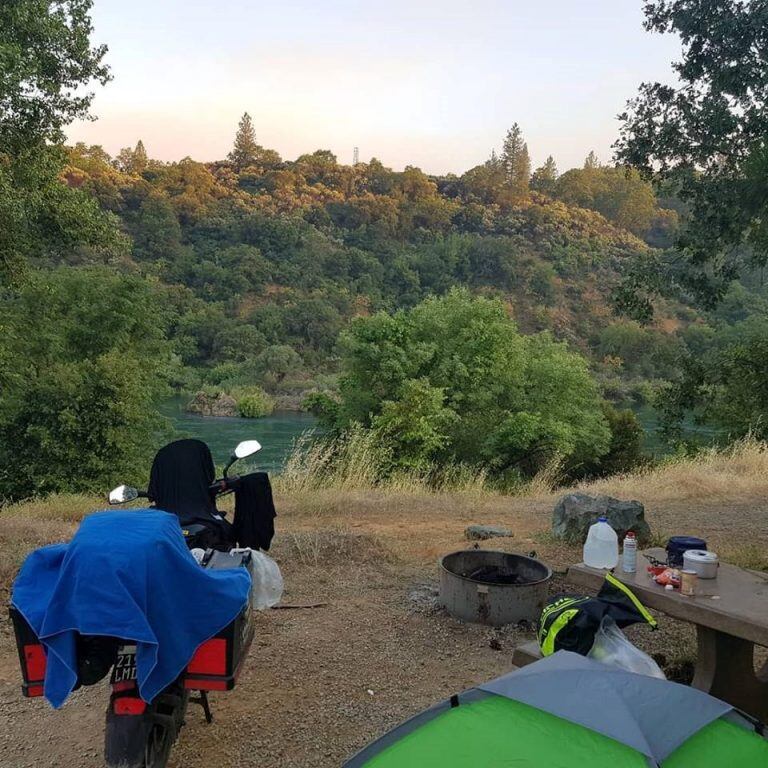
x=19, y=536
x=335, y=506
x=58, y=506
x=736, y=473
x=751, y=556
x=334, y=546
x=348, y=462
x=357, y=460
x=353, y=463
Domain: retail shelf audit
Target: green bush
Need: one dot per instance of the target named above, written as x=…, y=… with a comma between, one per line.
x=453, y=381
x=625, y=452
x=323, y=406
x=253, y=402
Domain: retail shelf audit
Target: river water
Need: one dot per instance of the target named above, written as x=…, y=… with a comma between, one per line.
x=656, y=445
x=276, y=433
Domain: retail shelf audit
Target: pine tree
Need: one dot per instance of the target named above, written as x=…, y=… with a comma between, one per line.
x=522, y=175
x=592, y=161
x=245, y=150
x=140, y=158
x=493, y=161
x=511, y=149
x=544, y=178
x=516, y=161
x=133, y=161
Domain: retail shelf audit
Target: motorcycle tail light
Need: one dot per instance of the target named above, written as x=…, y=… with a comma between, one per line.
x=34, y=663
x=129, y=705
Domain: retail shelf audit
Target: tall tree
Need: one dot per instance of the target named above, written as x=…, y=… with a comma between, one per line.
x=591, y=161
x=522, y=176
x=48, y=63
x=516, y=160
x=707, y=138
x=132, y=161
x=246, y=149
x=140, y=158
x=545, y=177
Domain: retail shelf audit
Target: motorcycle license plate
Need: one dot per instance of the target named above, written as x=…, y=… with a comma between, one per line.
x=125, y=666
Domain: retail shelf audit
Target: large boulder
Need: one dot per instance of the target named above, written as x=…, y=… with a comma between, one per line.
x=575, y=512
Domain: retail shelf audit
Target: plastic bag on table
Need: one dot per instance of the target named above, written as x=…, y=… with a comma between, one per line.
x=267, y=580
x=612, y=647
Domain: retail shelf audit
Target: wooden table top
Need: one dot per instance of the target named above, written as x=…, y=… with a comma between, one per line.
x=736, y=602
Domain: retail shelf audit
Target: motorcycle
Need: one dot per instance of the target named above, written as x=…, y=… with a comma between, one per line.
x=141, y=734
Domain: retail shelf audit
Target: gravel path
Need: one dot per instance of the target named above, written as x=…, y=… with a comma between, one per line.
x=318, y=683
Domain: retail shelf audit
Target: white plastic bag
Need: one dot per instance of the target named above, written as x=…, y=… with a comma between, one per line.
x=267, y=587
x=198, y=554
x=612, y=647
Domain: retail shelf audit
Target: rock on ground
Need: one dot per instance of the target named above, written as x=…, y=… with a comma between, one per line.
x=220, y=404
x=575, y=512
x=480, y=532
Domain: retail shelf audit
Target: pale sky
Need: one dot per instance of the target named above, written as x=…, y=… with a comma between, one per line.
x=431, y=83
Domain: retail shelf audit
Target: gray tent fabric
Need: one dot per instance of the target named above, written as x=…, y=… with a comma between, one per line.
x=650, y=715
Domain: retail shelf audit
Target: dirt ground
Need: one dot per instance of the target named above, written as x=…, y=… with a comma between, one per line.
x=319, y=683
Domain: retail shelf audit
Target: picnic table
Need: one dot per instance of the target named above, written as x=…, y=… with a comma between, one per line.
x=731, y=617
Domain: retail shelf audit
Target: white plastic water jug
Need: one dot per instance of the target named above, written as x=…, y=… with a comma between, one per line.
x=601, y=549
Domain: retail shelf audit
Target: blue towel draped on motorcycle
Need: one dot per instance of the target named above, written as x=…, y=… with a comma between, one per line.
x=127, y=575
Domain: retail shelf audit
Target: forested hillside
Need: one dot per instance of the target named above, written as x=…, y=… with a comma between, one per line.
x=490, y=320
x=264, y=261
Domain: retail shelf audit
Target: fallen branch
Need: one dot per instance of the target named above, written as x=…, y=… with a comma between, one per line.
x=298, y=605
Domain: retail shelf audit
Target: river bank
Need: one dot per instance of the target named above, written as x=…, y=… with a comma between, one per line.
x=277, y=432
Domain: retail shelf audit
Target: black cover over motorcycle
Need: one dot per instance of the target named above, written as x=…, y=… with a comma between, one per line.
x=179, y=483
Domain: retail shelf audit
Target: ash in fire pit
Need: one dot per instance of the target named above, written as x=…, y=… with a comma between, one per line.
x=493, y=575
x=492, y=587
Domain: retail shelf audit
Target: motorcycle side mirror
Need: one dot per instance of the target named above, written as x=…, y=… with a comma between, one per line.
x=122, y=494
x=244, y=449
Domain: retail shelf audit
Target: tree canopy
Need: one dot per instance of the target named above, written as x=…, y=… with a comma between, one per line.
x=48, y=63
x=706, y=138
x=83, y=360
x=454, y=379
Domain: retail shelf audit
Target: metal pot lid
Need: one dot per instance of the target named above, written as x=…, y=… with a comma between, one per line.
x=700, y=556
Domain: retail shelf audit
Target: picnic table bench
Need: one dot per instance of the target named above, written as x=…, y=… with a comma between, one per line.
x=731, y=617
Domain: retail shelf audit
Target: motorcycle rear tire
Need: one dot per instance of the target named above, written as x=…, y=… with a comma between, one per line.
x=145, y=741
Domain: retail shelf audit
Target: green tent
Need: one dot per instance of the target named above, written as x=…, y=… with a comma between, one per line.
x=567, y=711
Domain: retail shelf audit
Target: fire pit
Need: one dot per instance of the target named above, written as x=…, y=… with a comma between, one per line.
x=491, y=587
